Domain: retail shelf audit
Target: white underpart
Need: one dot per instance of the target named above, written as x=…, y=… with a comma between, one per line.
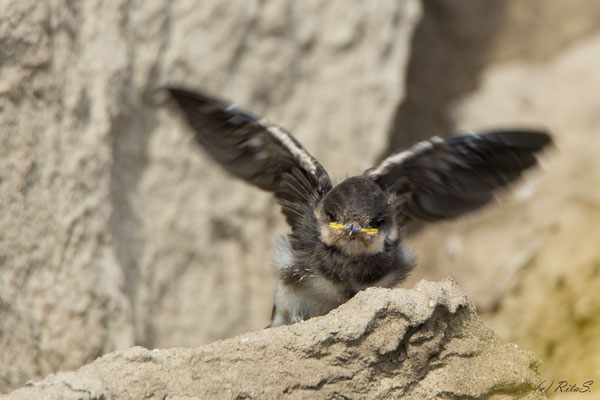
x=316, y=295
x=284, y=257
x=284, y=138
x=398, y=158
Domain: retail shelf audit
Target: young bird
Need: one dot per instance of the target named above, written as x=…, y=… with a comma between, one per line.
x=347, y=237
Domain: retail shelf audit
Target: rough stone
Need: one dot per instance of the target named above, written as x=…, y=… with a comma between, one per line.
x=384, y=343
x=532, y=261
x=455, y=42
x=114, y=229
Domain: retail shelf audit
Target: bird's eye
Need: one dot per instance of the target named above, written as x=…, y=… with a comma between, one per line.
x=377, y=222
x=331, y=216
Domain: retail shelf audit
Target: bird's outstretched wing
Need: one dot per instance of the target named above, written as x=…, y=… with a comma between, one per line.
x=445, y=178
x=257, y=151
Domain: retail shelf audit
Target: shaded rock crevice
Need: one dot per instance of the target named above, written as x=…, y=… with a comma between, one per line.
x=455, y=43
x=449, y=49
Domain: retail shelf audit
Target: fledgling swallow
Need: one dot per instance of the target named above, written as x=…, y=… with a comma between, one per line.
x=347, y=237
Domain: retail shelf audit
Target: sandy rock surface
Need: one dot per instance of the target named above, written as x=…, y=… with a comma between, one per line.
x=558, y=274
x=384, y=343
x=540, y=244
x=115, y=229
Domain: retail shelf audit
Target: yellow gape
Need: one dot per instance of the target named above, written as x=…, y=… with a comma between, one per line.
x=368, y=231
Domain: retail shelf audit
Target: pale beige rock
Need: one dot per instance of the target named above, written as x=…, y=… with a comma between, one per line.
x=114, y=229
x=455, y=42
x=61, y=297
x=533, y=260
x=534, y=257
x=384, y=343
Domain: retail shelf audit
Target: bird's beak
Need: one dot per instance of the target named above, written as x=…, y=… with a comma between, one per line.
x=352, y=229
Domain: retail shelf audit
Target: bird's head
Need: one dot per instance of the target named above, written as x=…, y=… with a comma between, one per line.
x=356, y=217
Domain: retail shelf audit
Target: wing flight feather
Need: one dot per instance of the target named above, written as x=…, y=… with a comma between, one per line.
x=445, y=178
x=256, y=150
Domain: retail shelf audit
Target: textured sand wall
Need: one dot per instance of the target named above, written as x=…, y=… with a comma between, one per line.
x=115, y=229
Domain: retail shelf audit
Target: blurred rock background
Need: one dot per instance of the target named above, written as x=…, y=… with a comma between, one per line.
x=116, y=230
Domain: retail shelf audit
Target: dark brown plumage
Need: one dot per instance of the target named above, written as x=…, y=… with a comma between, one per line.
x=348, y=237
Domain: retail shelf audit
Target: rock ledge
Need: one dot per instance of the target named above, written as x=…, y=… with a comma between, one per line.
x=385, y=343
